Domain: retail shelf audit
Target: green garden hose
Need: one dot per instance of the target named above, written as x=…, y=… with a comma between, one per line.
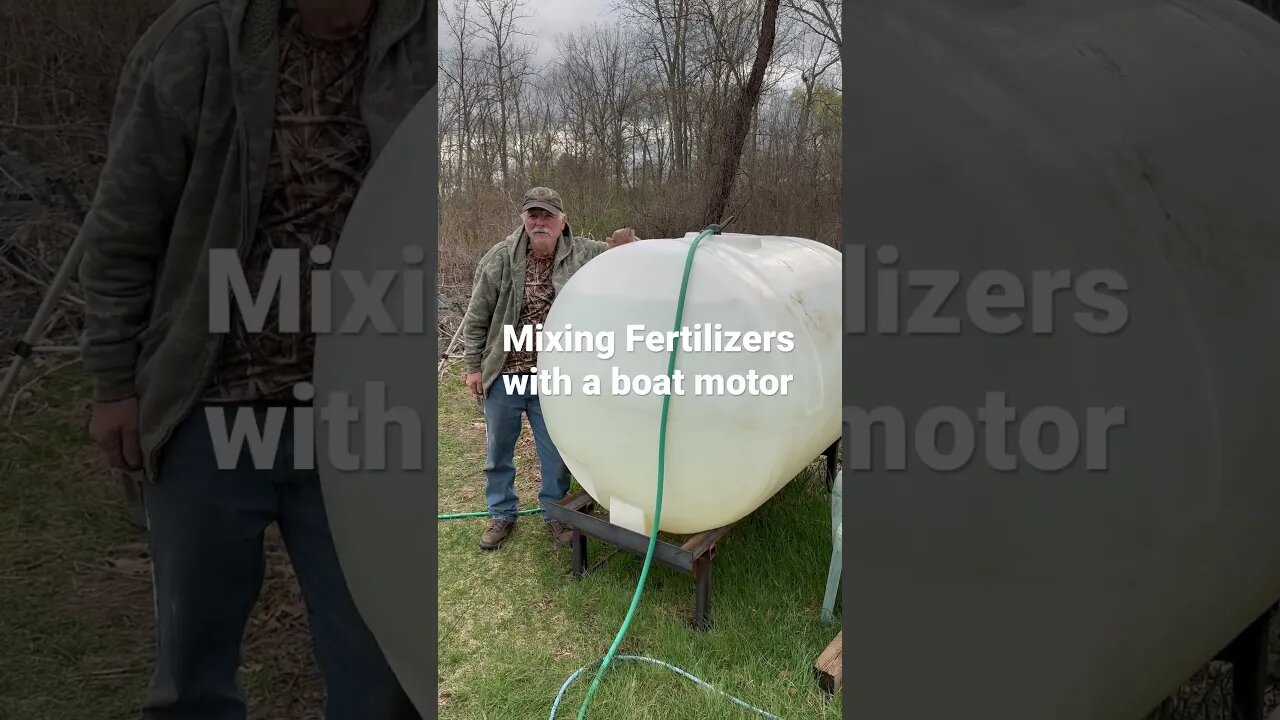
x=657, y=517
x=662, y=457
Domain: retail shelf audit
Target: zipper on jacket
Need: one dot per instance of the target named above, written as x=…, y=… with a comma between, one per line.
x=206, y=370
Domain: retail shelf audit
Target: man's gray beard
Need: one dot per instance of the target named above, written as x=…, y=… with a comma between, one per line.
x=540, y=239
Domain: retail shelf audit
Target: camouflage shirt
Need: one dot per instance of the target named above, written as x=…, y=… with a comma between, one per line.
x=188, y=158
x=319, y=155
x=539, y=293
x=501, y=280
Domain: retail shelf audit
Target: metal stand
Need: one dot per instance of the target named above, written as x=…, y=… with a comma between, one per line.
x=1247, y=654
x=25, y=347
x=832, y=457
x=694, y=557
x=28, y=345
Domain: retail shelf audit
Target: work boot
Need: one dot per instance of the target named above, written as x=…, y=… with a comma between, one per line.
x=496, y=533
x=561, y=534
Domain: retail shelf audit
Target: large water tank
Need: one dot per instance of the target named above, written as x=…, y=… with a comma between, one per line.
x=758, y=368
x=1133, y=136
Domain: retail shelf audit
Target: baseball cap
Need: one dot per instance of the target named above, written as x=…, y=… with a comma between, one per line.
x=544, y=198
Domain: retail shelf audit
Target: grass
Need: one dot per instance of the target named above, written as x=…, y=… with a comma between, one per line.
x=514, y=625
x=75, y=583
x=75, y=604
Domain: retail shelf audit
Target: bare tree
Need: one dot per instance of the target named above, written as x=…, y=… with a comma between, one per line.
x=660, y=120
x=668, y=48
x=602, y=71
x=507, y=62
x=458, y=91
x=821, y=16
x=736, y=133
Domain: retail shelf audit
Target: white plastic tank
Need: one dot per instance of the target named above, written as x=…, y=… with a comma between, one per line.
x=758, y=397
x=1041, y=137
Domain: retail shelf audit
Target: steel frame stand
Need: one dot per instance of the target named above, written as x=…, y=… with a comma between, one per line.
x=1247, y=654
x=831, y=456
x=694, y=557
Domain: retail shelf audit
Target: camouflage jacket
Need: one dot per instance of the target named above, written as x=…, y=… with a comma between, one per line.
x=498, y=293
x=186, y=164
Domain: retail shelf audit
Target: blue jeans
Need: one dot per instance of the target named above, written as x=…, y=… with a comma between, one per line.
x=205, y=528
x=502, y=411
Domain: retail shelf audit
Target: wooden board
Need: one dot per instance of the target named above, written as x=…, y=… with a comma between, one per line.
x=827, y=667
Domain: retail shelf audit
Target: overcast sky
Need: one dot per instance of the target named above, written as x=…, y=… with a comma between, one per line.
x=554, y=16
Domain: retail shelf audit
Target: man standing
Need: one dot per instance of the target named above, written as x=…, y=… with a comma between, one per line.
x=515, y=284
x=241, y=127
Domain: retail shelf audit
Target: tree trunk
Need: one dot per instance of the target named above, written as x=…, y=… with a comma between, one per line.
x=736, y=130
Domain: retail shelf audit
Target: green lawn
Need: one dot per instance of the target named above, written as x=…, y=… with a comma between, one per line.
x=75, y=598
x=75, y=582
x=514, y=625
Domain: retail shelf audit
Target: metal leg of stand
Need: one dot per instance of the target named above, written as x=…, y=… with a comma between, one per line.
x=702, y=591
x=1247, y=654
x=831, y=457
x=35, y=331
x=579, y=554
x=694, y=557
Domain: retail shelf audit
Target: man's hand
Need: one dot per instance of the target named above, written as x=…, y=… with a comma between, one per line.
x=114, y=429
x=621, y=237
x=475, y=382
